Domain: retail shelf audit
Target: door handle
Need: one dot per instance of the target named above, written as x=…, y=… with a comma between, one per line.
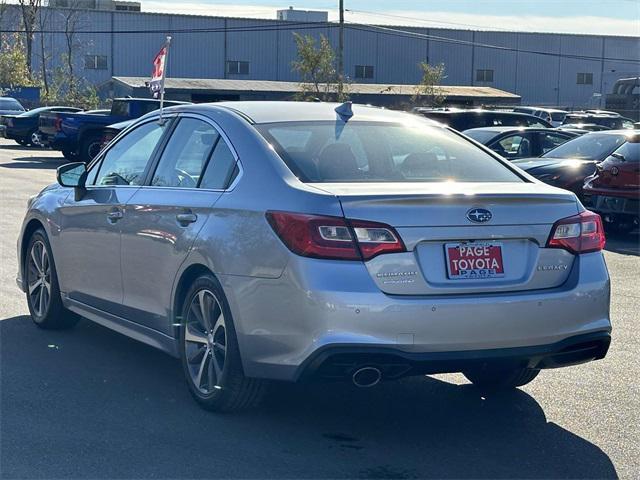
x=114, y=215
x=186, y=218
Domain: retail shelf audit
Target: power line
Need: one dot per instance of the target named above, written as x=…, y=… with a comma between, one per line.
x=331, y=25
x=247, y=28
x=388, y=15
x=409, y=34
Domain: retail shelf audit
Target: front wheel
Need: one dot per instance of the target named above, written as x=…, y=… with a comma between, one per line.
x=209, y=351
x=501, y=378
x=43, y=293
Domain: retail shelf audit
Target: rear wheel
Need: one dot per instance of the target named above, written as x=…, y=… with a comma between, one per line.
x=501, y=378
x=43, y=293
x=90, y=147
x=209, y=351
x=35, y=139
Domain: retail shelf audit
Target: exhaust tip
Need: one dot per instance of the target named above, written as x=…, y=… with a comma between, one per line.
x=367, y=377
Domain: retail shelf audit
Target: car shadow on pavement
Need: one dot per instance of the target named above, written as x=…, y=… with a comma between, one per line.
x=89, y=402
x=35, y=162
x=624, y=243
x=22, y=147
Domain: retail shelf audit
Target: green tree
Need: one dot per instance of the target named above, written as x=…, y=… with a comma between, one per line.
x=13, y=62
x=316, y=66
x=428, y=91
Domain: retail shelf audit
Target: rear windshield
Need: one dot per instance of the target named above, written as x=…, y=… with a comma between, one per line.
x=327, y=152
x=591, y=146
x=482, y=136
x=10, y=104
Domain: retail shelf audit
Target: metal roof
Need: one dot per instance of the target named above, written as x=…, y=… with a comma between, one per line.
x=232, y=85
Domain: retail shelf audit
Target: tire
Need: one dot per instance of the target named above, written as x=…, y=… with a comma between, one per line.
x=34, y=139
x=43, y=292
x=68, y=154
x=90, y=146
x=501, y=379
x=22, y=142
x=210, y=354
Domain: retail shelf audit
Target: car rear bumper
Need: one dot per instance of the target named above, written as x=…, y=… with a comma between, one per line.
x=339, y=362
x=284, y=324
x=55, y=142
x=610, y=204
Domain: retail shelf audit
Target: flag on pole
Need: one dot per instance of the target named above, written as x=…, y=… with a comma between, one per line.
x=156, y=85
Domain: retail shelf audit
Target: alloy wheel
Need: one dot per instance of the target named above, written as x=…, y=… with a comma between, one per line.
x=39, y=278
x=36, y=140
x=205, y=341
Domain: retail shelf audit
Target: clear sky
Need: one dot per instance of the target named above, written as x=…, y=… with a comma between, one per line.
x=613, y=17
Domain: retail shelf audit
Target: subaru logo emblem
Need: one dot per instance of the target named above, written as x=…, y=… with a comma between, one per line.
x=479, y=215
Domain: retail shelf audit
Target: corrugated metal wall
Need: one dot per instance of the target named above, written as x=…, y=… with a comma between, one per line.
x=540, y=78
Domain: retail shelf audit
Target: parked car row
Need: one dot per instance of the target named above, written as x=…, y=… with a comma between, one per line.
x=601, y=168
x=78, y=134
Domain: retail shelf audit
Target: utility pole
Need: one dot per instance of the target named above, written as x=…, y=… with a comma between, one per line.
x=341, y=49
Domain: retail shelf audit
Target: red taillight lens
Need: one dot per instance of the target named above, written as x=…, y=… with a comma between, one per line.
x=57, y=124
x=580, y=233
x=322, y=236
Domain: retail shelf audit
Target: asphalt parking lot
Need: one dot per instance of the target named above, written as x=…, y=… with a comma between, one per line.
x=90, y=403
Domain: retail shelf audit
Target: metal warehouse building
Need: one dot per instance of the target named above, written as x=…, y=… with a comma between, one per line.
x=547, y=69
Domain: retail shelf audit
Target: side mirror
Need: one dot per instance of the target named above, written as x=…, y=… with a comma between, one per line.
x=73, y=175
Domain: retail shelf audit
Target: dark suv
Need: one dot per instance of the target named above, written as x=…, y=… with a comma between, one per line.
x=477, y=118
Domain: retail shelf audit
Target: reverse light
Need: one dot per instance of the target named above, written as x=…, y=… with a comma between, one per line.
x=321, y=236
x=580, y=233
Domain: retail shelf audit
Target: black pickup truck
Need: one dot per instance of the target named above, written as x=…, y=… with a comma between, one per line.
x=79, y=135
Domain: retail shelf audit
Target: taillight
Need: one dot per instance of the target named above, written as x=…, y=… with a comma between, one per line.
x=9, y=122
x=322, y=236
x=57, y=124
x=580, y=233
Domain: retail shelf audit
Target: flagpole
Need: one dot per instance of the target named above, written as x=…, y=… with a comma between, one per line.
x=164, y=74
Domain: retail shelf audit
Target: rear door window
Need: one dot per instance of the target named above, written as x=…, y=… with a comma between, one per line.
x=382, y=152
x=514, y=146
x=222, y=168
x=186, y=154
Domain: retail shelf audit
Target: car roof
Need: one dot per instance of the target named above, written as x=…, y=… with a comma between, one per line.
x=282, y=111
x=509, y=128
x=622, y=131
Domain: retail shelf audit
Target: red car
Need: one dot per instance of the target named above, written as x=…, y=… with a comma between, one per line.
x=614, y=189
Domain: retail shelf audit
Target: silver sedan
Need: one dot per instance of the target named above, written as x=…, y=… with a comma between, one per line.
x=290, y=241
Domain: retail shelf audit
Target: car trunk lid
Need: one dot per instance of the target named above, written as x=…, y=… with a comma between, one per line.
x=436, y=222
